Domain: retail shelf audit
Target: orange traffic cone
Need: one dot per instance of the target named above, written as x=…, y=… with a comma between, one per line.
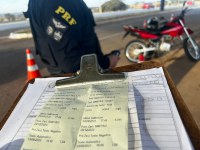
x=32, y=68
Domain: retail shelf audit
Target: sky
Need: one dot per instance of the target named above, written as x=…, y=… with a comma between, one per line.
x=11, y=6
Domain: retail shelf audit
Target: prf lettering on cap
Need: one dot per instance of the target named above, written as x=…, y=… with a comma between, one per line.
x=65, y=15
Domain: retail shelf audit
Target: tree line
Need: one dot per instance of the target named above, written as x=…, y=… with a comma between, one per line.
x=8, y=17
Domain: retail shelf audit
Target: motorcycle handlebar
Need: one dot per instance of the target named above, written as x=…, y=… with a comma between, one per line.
x=182, y=15
x=184, y=11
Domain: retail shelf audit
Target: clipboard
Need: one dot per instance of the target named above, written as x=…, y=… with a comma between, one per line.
x=188, y=121
x=89, y=72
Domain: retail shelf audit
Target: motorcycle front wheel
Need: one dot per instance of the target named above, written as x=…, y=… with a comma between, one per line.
x=192, y=52
x=130, y=50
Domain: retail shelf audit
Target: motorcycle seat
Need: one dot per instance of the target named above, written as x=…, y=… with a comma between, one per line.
x=156, y=32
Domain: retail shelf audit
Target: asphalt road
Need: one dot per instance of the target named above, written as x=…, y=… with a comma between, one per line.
x=184, y=73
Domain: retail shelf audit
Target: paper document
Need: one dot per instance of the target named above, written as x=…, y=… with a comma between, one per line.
x=153, y=119
x=87, y=117
x=159, y=121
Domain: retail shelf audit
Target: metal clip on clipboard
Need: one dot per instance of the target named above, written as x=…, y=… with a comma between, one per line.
x=89, y=72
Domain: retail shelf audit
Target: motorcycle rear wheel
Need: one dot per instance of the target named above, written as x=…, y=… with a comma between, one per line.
x=192, y=53
x=130, y=52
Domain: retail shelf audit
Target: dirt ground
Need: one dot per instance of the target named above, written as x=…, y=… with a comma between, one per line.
x=185, y=75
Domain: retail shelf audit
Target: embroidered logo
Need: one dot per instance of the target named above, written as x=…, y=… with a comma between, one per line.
x=50, y=30
x=57, y=35
x=58, y=24
x=56, y=29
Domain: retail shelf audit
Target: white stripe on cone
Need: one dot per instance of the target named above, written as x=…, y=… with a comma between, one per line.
x=29, y=56
x=33, y=68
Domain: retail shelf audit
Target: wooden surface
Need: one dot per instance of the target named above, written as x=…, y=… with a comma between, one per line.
x=188, y=121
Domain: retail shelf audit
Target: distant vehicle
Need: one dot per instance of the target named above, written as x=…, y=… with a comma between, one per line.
x=147, y=6
x=189, y=3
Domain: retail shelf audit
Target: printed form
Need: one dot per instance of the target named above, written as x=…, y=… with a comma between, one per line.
x=153, y=120
x=159, y=121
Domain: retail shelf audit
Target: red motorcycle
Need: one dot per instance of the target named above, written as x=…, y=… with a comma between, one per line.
x=159, y=36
